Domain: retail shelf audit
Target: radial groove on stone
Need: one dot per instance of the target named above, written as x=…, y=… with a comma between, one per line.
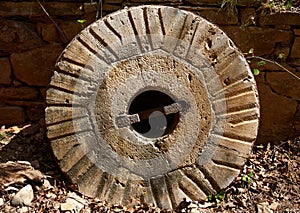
x=129, y=53
x=161, y=193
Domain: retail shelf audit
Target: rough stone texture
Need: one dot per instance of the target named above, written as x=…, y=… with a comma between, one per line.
x=11, y=115
x=280, y=18
x=23, y=197
x=71, y=28
x=205, y=2
x=48, y=32
x=226, y=16
x=289, y=89
x=18, y=93
x=297, y=32
x=18, y=172
x=250, y=3
x=295, y=53
x=35, y=67
x=9, y=8
x=16, y=36
x=248, y=17
x=19, y=21
x=219, y=2
x=263, y=40
x=5, y=70
x=36, y=111
x=193, y=154
x=277, y=113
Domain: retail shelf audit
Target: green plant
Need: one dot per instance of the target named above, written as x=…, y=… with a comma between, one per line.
x=280, y=56
x=289, y=4
x=1, y=136
x=218, y=197
x=247, y=178
x=250, y=56
x=278, y=5
x=256, y=71
x=81, y=21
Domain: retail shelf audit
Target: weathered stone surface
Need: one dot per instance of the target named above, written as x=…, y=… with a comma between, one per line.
x=67, y=207
x=277, y=114
x=9, y=8
x=35, y=67
x=23, y=197
x=18, y=172
x=111, y=7
x=295, y=62
x=248, y=17
x=18, y=93
x=226, y=16
x=17, y=36
x=114, y=1
x=77, y=202
x=5, y=70
x=282, y=27
x=48, y=32
x=297, y=32
x=35, y=111
x=295, y=53
x=263, y=40
x=284, y=84
x=219, y=2
x=198, y=163
x=11, y=115
x=249, y=3
x=205, y=2
x=280, y=18
x=70, y=28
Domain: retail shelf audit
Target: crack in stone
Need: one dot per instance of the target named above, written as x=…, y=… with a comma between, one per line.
x=274, y=91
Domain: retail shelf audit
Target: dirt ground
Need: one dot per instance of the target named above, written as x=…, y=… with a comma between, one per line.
x=269, y=182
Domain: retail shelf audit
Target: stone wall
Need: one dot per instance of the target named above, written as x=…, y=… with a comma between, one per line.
x=30, y=44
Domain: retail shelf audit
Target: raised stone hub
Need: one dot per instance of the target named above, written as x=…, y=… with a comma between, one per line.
x=151, y=104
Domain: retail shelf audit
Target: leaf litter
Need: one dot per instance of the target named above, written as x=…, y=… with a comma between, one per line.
x=269, y=181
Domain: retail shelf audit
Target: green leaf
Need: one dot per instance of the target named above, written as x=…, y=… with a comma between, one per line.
x=81, y=21
x=261, y=63
x=251, y=51
x=256, y=71
x=247, y=178
x=251, y=174
x=222, y=194
x=280, y=56
x=209, y=197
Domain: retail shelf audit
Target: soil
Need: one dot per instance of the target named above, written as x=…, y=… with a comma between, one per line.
x=269, y=181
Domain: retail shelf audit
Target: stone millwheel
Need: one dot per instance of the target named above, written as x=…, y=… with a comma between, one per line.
x=151, y=104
